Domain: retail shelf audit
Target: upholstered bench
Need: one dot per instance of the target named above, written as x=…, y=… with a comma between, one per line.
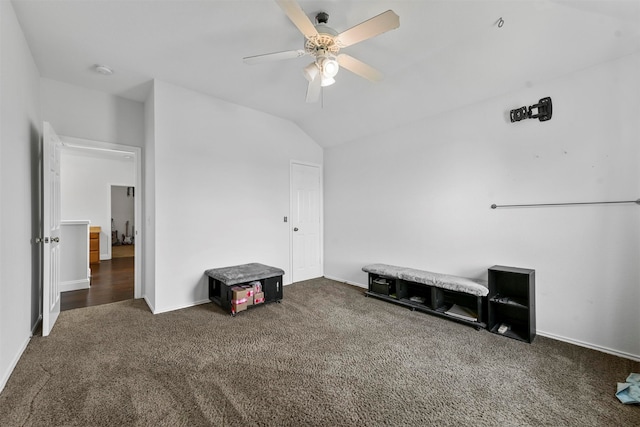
x=459, y=298
x=444, y=281
x=223, y=280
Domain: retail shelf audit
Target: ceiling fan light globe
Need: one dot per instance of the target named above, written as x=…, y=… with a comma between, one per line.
x=310, y=71
x=326, y=81
x=330, y=67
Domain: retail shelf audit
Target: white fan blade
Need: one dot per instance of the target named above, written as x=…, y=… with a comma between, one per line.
x=313, y=90
x=277, y=56
x=358, y=67
x=373, y=27
x=298, y=17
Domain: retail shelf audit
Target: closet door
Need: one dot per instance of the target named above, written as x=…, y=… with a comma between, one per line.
x=306, y=208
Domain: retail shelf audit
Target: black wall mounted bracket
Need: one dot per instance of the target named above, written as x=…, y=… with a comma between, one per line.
x=544, y=111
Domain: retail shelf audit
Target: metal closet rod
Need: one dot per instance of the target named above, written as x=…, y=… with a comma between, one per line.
x=494, y=206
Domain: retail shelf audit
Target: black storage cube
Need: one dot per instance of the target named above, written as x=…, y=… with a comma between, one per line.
x=272, y=288
x=220, y=293
x=512, y=301
x=381, y=286
x=414, y=293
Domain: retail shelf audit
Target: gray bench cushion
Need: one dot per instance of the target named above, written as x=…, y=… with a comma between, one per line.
x=243, y=273
x=445, y=281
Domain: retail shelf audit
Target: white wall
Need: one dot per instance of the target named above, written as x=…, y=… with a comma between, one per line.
x=85, y=189
x=221, y=190
x=74, y=256
x=419, y=196
x=89, y=114
x=20, y=130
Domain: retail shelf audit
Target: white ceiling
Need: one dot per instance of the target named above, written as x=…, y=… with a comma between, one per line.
x=445, y=55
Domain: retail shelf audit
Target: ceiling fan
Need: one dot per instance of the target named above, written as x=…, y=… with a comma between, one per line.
x=324, y=44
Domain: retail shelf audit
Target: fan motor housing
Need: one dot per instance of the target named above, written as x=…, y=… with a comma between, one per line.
x=325, y=41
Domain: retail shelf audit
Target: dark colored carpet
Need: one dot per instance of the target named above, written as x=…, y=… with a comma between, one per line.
x=325, y=356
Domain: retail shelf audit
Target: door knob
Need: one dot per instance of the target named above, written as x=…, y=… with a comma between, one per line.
x=295, y=228
x=55, y=239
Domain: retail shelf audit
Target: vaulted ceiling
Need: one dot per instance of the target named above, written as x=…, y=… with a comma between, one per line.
x=445, y=55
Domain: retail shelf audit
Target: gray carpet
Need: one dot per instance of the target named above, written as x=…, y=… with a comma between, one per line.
x=325, y=356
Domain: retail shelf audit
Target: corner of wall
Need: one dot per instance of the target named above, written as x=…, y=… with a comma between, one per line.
x=148, y=222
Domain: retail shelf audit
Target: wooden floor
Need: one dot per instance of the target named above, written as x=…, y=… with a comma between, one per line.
x=122, y=251
x=111, y=281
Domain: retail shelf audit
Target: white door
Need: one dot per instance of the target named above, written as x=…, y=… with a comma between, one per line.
x=305, y=222
x=50, y=228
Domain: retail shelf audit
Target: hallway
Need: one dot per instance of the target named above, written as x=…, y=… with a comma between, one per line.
x=111, y=281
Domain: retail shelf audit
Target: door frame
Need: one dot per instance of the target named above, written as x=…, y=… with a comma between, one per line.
x=136, y=152
x=321, y=216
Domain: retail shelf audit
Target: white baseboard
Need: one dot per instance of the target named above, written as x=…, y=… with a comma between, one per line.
x=180, y=307
x=579, y=343
x=151, y=307
x=74, y=285
x=35, y=325
x=360, y=285
x=7, y=374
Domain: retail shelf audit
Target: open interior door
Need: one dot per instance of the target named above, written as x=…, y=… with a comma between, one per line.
x=50, y=228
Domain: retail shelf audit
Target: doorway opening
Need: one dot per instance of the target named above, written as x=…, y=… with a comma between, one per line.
x=100, y=183
x=122, y=221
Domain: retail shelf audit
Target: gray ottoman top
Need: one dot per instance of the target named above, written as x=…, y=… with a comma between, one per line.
x=243, y=273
